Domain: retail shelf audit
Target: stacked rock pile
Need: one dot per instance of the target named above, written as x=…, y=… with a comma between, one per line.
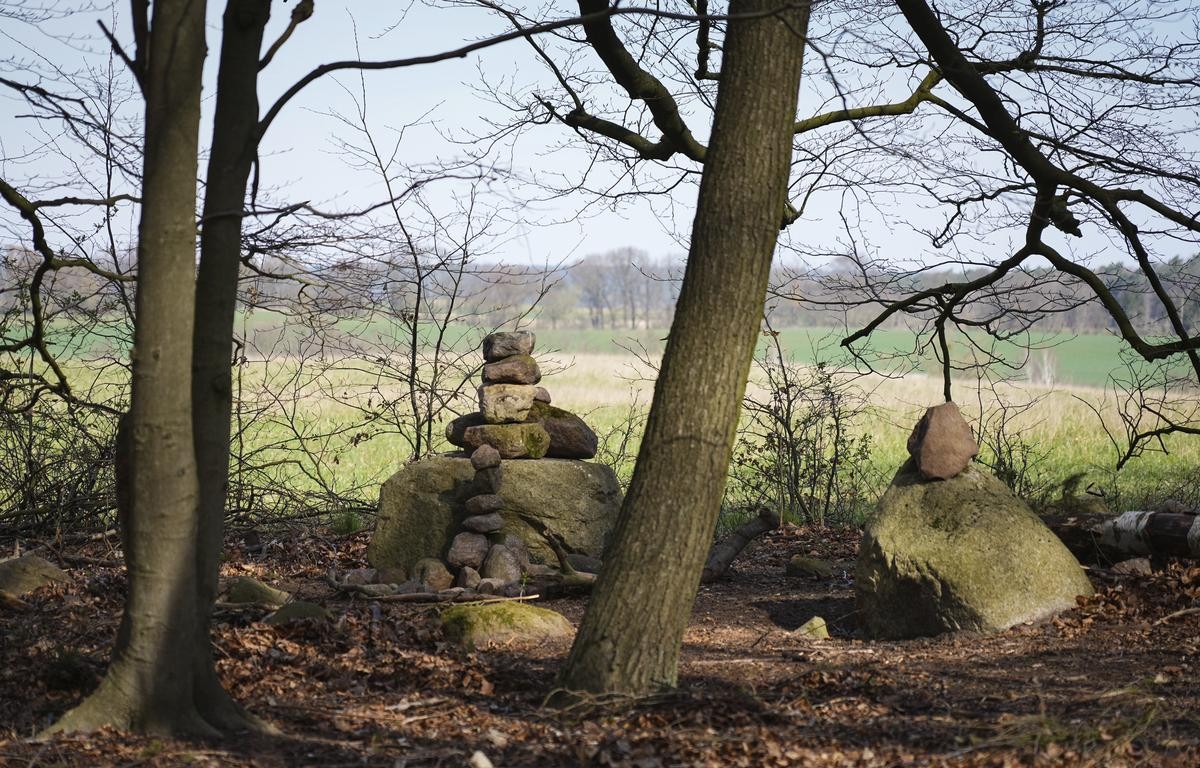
x=515, y=421
x=951, y=548
x=515, y=415
x=487, y=560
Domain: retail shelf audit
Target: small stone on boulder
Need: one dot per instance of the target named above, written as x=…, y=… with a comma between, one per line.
x=24, y=574
x=517, y=369
x=513, y=441
x=433, y=574
x=942, y=443
x=541, y=395
x=468, y=549
x=489, y=523
x=487, y=481
x=484, y=457
x=497, y=346
x=484, y=505
x=505, y=403
x=481, y=625
x=501, y=564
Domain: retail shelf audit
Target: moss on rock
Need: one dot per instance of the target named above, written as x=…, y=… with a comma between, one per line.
x=962, y=553
x=478, y=625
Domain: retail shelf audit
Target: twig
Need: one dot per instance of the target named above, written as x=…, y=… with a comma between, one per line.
x=1177, y=614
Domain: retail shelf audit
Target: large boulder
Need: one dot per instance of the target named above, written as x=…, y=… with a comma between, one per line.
x=422, y=506
x=961, y=553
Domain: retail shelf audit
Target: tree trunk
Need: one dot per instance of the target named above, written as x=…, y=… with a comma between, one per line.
x=235, y=136
x=148, y=685
x=631, y=634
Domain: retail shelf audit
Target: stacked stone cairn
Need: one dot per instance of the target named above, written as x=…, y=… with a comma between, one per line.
x=515, y=415
x=951, y=548
x=514, y=421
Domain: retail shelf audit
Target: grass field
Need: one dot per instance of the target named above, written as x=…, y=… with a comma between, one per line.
x=289, y=404
x=1059, y=433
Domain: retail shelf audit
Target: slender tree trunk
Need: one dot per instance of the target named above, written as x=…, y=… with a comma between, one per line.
x=235, y=126
x=148, y=685
x=630, y=638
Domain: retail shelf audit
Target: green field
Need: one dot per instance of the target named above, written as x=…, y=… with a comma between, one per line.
x=306, y=424
x=1084, y=360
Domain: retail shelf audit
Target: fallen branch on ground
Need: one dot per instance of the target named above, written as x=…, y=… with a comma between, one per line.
x=725, y=551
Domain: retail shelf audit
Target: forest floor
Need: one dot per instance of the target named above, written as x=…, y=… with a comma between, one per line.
x=1113, y=682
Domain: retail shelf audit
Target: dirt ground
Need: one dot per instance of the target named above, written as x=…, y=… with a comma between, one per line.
x=1110, y=683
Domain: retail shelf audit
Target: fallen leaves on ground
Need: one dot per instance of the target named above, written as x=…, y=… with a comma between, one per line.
x=1111, y=683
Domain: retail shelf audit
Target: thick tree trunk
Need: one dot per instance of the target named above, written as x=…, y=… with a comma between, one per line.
x=235, y=126
x=148, y=686
x=630, y=637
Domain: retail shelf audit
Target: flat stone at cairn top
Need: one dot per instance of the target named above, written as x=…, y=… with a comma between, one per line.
x=498, y=346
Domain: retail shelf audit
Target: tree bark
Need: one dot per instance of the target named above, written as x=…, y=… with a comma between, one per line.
x=148, y=686
x=631, y=634
x=234, y=139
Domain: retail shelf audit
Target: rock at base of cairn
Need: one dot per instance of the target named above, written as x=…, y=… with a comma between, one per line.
x=421, y=507
x=485, y=457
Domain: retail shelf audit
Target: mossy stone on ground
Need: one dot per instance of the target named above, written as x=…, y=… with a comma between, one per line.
x=478, y=625
x=800, y=565
x=247, y=589
x=22, y=575
x=957, y=554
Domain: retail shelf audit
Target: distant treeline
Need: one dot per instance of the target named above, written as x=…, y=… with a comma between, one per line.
x=630, y=289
